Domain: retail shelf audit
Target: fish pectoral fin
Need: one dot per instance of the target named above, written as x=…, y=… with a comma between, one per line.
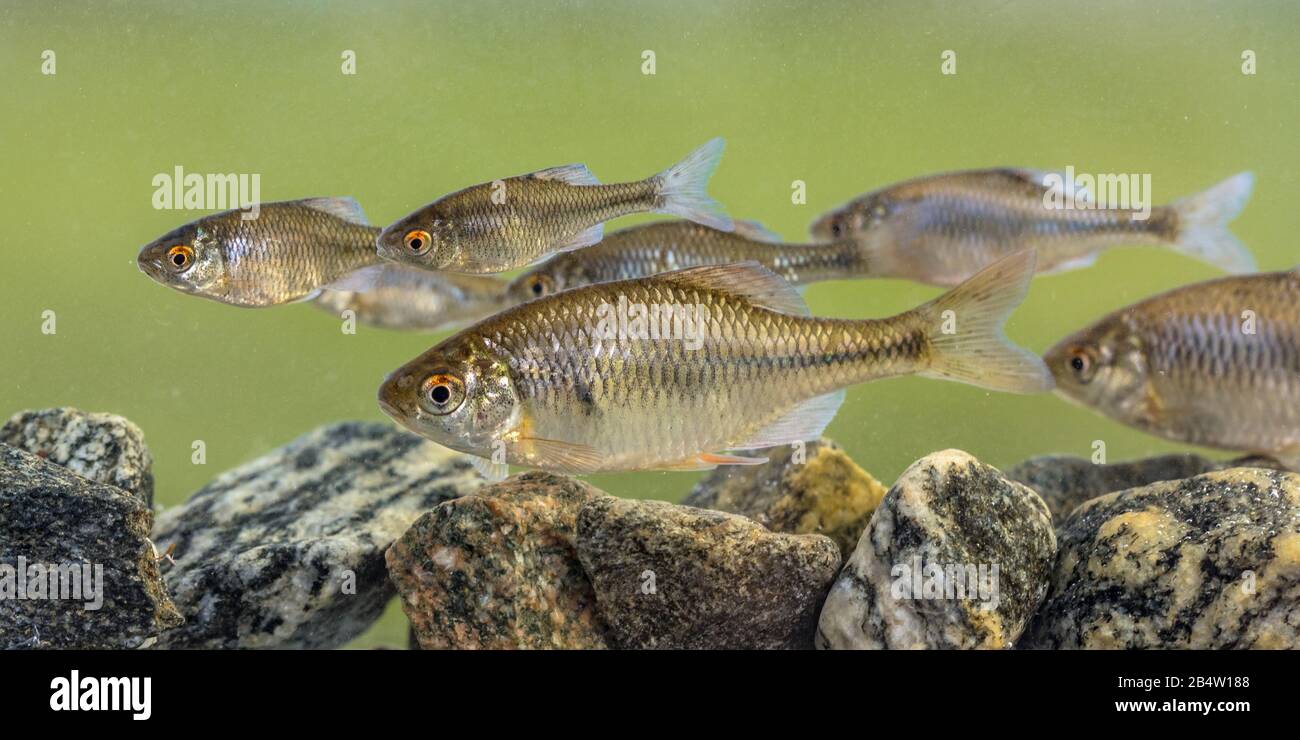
x=347, y=209
x=749, y=280
x=553, y=454
x=573, y=174
x=584, y=238
x=709, y=461
x=358, y=281
x=803, y=423
x=488, y=469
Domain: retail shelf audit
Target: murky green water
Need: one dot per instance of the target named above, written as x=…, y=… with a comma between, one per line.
x=843, y=96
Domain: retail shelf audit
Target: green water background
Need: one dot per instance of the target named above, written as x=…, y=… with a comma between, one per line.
x=846, y=96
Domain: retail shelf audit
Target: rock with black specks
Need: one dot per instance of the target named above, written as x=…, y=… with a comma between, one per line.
x=814, y=490
x=677, y=577
x=287, y=551
x=102, y=447
x=1212, y=561
x=956, y=556
x=498, y=569
x=77, y=569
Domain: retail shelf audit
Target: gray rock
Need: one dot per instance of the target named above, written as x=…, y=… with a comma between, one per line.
x=669, y=576
x=97, y=536
x=825, y=493
x=956, y=556
x=1065, y=481
x=102, y=447
x=1212, y=561
x=287, y=550
x=497, y=569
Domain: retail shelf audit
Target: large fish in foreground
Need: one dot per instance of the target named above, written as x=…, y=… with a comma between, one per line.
x=944, y=228
x=401, y=297
x=575, y=383
x=288, y=253
x=664, y=246
x=1214, y=364
x=501, y=225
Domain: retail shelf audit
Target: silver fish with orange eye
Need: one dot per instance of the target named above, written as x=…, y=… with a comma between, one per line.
x=501, y=225
x=941, y=229
x=664, y=246
x=667, y=372
x=287, y=253
x=408, y=299
x=1214, y=364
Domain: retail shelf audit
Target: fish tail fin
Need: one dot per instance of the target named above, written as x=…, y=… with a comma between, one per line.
x=682, y=188
x=965, y=330
x=1203, y=224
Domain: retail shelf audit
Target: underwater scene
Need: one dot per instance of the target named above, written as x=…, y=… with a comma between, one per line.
x=674, y=325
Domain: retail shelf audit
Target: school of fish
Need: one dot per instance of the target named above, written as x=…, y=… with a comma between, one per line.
x=681, y=344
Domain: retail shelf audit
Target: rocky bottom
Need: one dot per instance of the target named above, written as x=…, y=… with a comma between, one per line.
x=304, y=547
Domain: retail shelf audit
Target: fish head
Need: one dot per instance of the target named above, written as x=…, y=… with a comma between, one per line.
x=458, y=394
x=539, y=282
x=188, y=259
x=864, y=219
x=1104, y=367
x=424, y=238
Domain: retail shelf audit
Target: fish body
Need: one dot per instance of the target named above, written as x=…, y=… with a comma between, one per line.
x=1214, y=364
x=943, y=228
x=505, y=224
x=405, y=298
x=287, y=253
x=573, y=382
x=664, y=246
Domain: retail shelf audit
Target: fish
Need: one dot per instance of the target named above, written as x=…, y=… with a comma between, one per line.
x=419, y=300
x=288, y=253
x=510, y=223
x=664, y=246
x=565, y=384
x=941, y=229
x=1214, y=364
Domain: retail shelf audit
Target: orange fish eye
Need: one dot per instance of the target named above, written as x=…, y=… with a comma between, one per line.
x=180, y=256
x=1081, y=363
x=542, y=285
x=418, y=241
x=442, y=393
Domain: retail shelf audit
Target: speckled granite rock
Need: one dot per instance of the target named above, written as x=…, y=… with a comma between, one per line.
x=669, y=576
x=102, y=447
x=956, y=556
x=498, y=569
x=1065, y=481
x=827, y=493
x=1208, y=562
x=52, y=517
x=287, y=550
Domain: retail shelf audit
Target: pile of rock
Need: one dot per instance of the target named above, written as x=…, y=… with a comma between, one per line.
x=305, y=546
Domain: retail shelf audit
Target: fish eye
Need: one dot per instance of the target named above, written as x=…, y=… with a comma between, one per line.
x=1082, y=364
x=417, y=241
x=180, y=256
x=541, y=285
x=442, y=393
x=836, y=228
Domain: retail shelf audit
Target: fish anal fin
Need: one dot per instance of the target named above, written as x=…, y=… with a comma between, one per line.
x=557, y=455
x=709, y=461
x=803, y=423
x=345, y=208
x=1074, y=263
x=360, y=280
x=749, y=280
x=573, y=174
x=584, y=238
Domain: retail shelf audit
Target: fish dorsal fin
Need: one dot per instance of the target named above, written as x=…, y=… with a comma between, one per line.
x=1057, y=182
x=803, y=423
x=748, y=280
x=754, y=230
x=345, y=208
x=573, y=174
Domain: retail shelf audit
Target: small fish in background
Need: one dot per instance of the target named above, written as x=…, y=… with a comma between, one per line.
x=664, y=246
x=943, y=228
x=549, y=384
x=1214, y=364
x=502, y=225
x=288, y=253
x=410, y=299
